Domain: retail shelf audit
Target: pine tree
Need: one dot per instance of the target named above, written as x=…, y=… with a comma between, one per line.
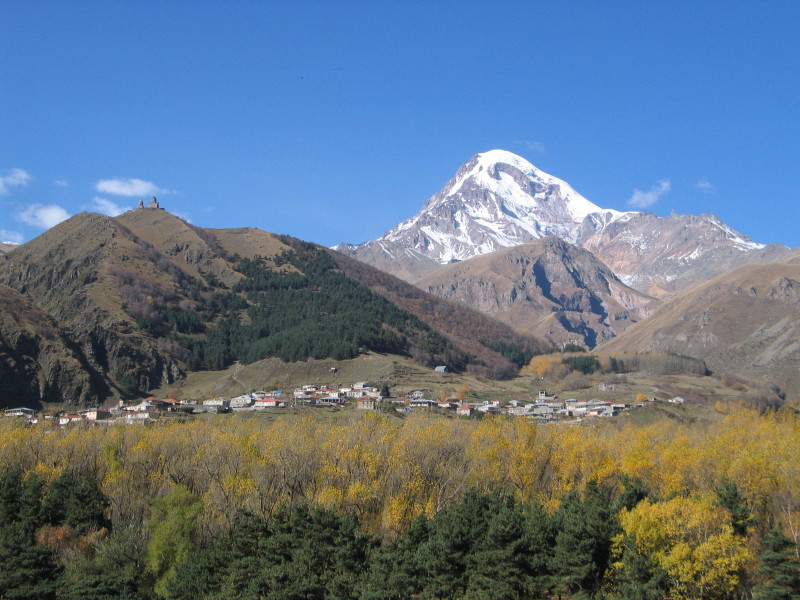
x=779, y=573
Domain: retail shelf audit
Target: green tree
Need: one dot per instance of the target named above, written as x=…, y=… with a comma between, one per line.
x=779, y=571
x=75, y=500
x=29, y=571
x=729, y=496
x=582, y=549
x=172, y=525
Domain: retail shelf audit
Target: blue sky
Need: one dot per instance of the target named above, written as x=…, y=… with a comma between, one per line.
x=334, y=121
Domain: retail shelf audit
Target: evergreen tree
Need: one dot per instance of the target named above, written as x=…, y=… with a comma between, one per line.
x=729, y=496
x=779, y=573
x=28, y=571
x=75, y=500
x=396, y=569
x=582, y=548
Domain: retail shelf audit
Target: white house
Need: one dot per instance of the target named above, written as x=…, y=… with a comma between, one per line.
x=18, y=412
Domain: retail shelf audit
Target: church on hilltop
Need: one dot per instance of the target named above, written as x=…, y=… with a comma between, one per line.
x=153, y=204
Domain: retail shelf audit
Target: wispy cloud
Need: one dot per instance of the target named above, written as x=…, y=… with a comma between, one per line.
x=108, y=207
x=61, y=182
x=642, y=199
x=130, y=187
x=705, y=186
x=44, y=216
x=532, y=145
x=11, y=236
x=16, y=178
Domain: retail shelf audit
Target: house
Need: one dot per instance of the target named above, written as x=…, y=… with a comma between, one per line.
x=677, y=400
x=543, y=411
x=19, y=412
x=365, y=403
x=329, y=401
x=464, y=410
x=441, y=369
x=262, y=403
x=489, y=406
x=70, y=418
x=136, y=417
x=422, y=403
x=241, y=401
x=96, y=414
x=218, y=402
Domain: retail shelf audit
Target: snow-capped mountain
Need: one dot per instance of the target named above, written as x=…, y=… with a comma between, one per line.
x=662, y=255
x=499, y=200
x=496, y=200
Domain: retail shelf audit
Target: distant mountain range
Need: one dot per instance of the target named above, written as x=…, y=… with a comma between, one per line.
x=499, y=200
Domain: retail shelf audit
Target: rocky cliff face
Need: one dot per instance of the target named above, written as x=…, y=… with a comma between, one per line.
x=548, y=288
x=38, y=361
x=663, y=255
x=76, y=273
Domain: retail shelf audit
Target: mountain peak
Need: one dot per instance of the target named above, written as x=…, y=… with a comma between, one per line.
x=495, y=200
x=505, y=157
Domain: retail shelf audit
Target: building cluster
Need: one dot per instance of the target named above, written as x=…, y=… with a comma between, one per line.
x=543, y=408
x=362, y=395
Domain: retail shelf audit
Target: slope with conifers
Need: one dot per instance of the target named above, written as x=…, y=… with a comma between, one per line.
x=745, y=321
x=145, y=297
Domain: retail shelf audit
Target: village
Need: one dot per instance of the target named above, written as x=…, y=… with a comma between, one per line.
x=360, y=396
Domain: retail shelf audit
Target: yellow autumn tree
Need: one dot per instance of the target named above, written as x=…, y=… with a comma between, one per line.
x=691, y=539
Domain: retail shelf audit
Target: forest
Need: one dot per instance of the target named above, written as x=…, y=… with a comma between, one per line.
x=299, y=306
x=370, y=506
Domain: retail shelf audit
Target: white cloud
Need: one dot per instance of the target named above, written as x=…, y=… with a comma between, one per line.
x=705, y=186
x=129, y=186
x=108, y=207
x=11, y=236
x=61, y=182
x=43, y=216
x=17, y=178
x=642, y=199
x=532, y=145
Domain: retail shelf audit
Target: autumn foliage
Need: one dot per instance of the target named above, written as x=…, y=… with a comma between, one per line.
x=684, y=506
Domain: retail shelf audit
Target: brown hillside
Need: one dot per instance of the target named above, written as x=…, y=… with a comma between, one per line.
x=38, y=363
x=746, y=321
x=547, y=288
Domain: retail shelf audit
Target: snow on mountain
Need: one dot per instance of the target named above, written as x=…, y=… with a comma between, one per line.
x=496, y=199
